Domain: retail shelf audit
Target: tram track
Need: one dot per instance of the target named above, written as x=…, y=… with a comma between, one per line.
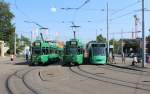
x=124, y=70
x=130, y=68
x=106, y=79
x=23, y=79
x=40, y=76
x=9, y=91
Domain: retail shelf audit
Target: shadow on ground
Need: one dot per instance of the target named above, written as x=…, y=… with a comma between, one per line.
x=21, y=63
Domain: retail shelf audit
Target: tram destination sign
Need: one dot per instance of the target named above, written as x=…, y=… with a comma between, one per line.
x=37, y=44
x=73, y=43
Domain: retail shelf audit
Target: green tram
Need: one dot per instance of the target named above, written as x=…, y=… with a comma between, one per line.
x=44, y=53
x=97, y=53
x=73, y=53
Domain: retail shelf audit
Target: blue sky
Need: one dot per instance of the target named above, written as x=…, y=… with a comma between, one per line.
x=40, y=12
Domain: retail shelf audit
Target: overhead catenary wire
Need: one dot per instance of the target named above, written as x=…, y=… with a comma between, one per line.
x=79, y=7
x=87, y=1
x=123, y=15
x=126, y=7
x=19, y=10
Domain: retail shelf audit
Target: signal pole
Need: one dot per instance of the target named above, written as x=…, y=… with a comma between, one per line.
x=143, y=36
x=122, y=44
x=107, y=31
x=15, y=43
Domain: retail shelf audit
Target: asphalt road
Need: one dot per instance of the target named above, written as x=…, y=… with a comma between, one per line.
x=18, y=78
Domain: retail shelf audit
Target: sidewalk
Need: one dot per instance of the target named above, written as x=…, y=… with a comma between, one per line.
x=7, y=59
x=127, y=65
x=4, y=58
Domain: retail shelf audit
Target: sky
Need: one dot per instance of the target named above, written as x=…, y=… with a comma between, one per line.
x=91, y=17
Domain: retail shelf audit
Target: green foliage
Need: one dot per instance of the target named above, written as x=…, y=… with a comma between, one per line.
x=7, y=29
x=22, y=43
x=25, y=40
x=148, y=38
x=100, y=38
x=116, y=44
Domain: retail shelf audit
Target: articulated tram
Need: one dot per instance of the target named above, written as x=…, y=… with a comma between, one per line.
x=73, y=53
x=44, y=53
x=97, y=53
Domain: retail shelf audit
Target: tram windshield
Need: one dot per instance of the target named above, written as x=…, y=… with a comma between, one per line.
x=36, y=51
x=99, y=51
x=71, y=51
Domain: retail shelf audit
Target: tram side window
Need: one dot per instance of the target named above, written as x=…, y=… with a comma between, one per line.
x=46, y=50
x=60, y=52
x=80, y=50
x=36, y=51
x=57, y=52
x=43, y=50
x=50, y=51
x=65, y=51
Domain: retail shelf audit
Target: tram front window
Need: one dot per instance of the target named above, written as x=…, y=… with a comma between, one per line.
x=72, y=51
x=99, y=51
x=36, y=51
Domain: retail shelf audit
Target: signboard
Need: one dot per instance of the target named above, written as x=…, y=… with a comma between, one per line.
x=73, y=43
x=111, y=46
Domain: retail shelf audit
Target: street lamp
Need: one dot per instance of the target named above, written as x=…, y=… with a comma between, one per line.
x=15, y=43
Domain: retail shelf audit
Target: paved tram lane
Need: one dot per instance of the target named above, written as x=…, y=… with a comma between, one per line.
x=85, y=79
x=123, y=79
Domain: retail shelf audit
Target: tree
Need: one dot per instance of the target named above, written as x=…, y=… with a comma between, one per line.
x=116, y=45
x=25, y=40
x=100, y=38
x=7, y=29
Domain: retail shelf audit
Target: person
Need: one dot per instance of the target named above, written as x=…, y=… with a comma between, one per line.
x=86, y=55
x=110, y=58
x=123, y=58
x=27, y=55
x=12, y=57
x=134, y=60
x=113, y=59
